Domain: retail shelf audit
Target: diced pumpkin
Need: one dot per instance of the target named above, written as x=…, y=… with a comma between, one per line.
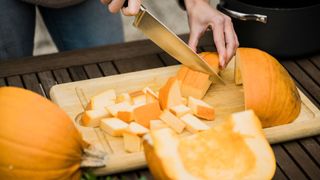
x=101, y=100
x=181, y=75
x=172, y=121
x=193, y=124
x=137, y=129
x=157, y=124
x=115, y=108
x=91, y=118
x=201, y=109
x=236, y=148
x=138, y=97
x=113, y=126
x=123, y=97
x=143, y=114
x=195, y=84
x=151, y=96
x=132, y=142
x=169, y=94
x=180, y=110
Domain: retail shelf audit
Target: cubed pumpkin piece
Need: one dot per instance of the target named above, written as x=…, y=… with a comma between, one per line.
x=180, y=110
x=138, y=97
x=102, y=100
x=91, y=118
x=172, y=121
x=123, y=97
x=132, y=142
x=193, y=124
x=157, y=124
x=115, y=108
x=151, y=96
x=201, y=109
x=143, y=114
x=195, y=84
x=137, y=129
x=113, y=126
x=169, y=94
x=126, y=114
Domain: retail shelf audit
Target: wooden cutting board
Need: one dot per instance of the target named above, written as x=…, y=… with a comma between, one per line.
x=73, y=97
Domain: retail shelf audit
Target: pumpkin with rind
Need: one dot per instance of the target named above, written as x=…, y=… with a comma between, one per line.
x=37, y=139
x=268, y=88
x=235, y=148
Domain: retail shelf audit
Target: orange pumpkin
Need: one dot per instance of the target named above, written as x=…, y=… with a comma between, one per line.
x=268, y=87
x=37, y=139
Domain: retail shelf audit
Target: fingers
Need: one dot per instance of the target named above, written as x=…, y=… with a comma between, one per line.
x=219, y=39
x=115, y=5
x=194, y=37
x=133, y=8
x=230, y=38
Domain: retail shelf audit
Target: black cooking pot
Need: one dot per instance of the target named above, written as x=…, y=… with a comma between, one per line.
x=283, y=28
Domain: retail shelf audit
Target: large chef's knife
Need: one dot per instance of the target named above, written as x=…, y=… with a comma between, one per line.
x=171, y=43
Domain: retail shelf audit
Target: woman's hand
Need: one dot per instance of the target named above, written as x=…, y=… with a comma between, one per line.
x=115, y=6
x=202, y=16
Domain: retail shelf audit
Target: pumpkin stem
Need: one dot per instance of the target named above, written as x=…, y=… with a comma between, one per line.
x=93, y=157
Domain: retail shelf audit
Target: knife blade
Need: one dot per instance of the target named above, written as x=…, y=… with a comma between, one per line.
x=157, y=32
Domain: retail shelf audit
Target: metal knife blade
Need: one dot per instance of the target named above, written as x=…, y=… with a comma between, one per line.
x=171, y=43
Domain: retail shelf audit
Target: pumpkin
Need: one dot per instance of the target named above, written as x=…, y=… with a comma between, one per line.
x=37, y=139
x=268, y=87
x=235, y=148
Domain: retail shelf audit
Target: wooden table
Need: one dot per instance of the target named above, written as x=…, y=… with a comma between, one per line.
x=298, y=159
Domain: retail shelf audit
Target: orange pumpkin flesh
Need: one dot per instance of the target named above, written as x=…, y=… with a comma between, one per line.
x=37, y=139
x=235, y=148
x=268, y=88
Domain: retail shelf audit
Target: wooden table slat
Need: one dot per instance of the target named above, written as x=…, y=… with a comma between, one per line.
x=303, y=78
x=168, y=60
x=307, y=164
x=93, y=71
x=2, y=82
x=285, y=162
x=62, y=76
x=310, y=69
x=15, y=81
x=316, y=61
x=77, y=73
x=108, y=68
x=313, y=148
x=138, y=63
x=31, y=82
x=47, y=80
x=279, y=175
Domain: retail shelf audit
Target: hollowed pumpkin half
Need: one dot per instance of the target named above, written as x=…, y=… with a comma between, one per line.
x=234, y=149
x=37, y=139
x=268, y=88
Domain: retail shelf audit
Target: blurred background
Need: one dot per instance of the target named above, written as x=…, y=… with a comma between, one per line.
x=166, y=11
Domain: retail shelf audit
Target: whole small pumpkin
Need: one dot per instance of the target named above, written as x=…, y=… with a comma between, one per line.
x=37, y=139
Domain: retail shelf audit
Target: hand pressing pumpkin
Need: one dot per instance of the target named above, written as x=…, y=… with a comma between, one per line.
x=37, y=139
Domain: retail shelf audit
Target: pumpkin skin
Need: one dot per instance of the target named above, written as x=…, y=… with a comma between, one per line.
x=268, y=88
x=37, y=139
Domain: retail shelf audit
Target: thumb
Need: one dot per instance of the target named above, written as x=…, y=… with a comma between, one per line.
x=193, y=40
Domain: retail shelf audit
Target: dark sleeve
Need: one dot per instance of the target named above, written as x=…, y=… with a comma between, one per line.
x=181, y=4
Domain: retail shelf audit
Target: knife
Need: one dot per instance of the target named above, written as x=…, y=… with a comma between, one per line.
x=171, y=43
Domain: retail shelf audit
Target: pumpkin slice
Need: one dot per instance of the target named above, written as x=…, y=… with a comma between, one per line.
x=101, y=100
x=193, y=124
x=234, y=149
x=157, y=124
x=91, y=118
x=181, y=75
x=268, y=88
x=151, y=96
x=143, y=114
x=132, y=137
x=195, y=84
x=170, y=94
x=212, y=58
x=113, y=126
x=201, y=109
x=180, y=110
x=172, y=121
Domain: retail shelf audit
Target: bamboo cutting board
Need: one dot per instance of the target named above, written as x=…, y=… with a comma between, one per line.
x=73, y=97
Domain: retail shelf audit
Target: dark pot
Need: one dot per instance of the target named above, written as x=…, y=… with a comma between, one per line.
x=282, y=28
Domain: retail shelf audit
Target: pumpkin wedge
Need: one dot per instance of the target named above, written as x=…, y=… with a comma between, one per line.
x=234, y=149
x=268, y=88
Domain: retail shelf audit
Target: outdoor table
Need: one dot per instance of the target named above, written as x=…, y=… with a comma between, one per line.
x=298, y=159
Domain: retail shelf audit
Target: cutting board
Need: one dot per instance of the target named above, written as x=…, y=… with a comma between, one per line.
x=226, y=99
